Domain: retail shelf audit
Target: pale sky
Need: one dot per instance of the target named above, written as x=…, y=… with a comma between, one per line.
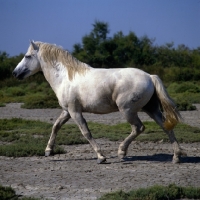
x=65, y=22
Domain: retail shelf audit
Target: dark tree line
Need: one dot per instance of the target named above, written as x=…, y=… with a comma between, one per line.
x=100, y=51
x=7, y=64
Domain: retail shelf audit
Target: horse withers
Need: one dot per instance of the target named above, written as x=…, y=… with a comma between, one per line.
x=81, y=88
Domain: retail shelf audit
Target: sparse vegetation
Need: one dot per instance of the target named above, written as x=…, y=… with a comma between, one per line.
x=27, y=137
x=185, y=94
x=7, y=193
x=157, y=192
x=178, y=67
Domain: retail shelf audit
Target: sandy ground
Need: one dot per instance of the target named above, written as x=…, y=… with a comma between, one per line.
x=76, y=175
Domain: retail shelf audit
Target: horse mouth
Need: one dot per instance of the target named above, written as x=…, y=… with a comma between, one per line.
x=21, y=75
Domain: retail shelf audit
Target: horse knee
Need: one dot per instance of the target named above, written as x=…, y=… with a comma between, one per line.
x=87, y=135
x=139, y=129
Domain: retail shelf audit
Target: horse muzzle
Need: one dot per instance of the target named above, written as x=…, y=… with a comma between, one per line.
x=20, y=74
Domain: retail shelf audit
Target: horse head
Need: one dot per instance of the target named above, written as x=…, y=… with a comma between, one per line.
x=30, y=64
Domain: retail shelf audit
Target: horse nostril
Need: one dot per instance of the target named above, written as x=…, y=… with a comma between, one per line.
x=14, y=73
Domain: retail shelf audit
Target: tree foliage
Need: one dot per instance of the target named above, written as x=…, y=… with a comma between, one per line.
x=7, y=64
x=99, y=50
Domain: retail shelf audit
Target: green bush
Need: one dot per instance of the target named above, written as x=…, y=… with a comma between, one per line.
x=185, y=94
x=28, y=147
x=185, y=106
x=7, y=193
x=29, y=137
x=183, y=87
x=2, y=104
x=157, y=192
x=39, y=100
x=24, y=137
x=15, y=91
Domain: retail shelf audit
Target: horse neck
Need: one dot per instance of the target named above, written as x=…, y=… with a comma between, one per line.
x=62, y=70
x=55, y=75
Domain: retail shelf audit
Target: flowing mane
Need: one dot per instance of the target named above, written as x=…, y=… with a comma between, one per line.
x=53, y=54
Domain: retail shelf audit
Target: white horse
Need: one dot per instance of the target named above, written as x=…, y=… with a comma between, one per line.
x=81, y=88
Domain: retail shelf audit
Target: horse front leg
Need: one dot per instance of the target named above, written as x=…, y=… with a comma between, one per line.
x=63, y=118
x=82, y=124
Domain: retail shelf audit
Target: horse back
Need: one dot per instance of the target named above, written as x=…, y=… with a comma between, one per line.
x=106, y=90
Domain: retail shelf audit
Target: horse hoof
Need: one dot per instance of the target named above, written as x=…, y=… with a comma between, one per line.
x=47, y=153
x=122, y=159
x=122, y=155
x=183, y=153
x=175, y=161
x=100, y=161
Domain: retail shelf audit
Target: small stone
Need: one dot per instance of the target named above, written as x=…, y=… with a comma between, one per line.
x=60, y=187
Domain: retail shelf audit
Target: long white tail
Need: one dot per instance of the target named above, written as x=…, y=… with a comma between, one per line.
x=171, y=114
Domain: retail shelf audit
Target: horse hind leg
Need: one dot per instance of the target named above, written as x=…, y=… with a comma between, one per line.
x=137, y=128
x=152, y=109
x=177, y=149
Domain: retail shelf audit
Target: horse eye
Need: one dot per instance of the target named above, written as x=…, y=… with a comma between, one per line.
x=28, y=56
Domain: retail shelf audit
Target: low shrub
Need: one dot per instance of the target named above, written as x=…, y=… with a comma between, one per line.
x=185, y=94
x=185, y=106
x=183, y=87
x=38, y=100
x=15, y=91
x=2, y=105
x=7, y=193
x=24, y=137
x=157, y=192
x=29, y=137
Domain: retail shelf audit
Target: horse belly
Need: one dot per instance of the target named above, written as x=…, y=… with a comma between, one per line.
x=100, y=106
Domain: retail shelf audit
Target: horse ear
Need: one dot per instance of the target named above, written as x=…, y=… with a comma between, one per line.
x=35, y=47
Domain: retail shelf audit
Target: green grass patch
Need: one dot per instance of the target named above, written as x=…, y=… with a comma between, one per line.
x=157, y=192
x=24, y=137
x=152, y=133
x=41, y=100
x=33, y=93
x=21, y=137
x=183, y=132
x=185, y=94
x=7, y=193
x=2, y=105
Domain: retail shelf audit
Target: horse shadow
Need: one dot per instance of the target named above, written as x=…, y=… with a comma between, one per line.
x=161, y=158
x=130, y=159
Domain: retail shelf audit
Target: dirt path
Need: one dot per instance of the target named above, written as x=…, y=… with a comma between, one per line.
x=75, y=175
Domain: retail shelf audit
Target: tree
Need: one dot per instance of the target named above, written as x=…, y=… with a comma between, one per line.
x=3, y=56
x=99, y=50
x=100, y=31
x=7, y=64
x=93, y=48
